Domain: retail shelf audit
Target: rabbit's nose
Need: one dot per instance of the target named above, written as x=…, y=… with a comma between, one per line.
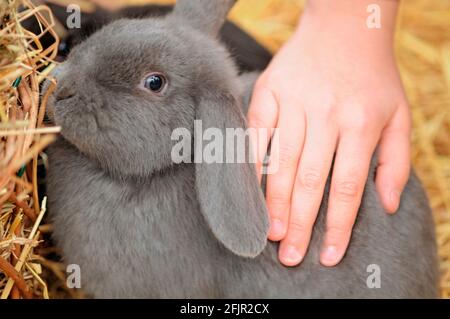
x=64, y=93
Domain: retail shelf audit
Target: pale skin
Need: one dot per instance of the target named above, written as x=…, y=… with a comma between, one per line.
x=333, y=91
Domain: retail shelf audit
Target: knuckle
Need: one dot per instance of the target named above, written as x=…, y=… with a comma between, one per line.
x=286, y=155
x=339, y=230
x=278, y=199
x=264, y=85
x=256, y=119
x=260, y=84
x=299, y=225
x=359, y=121
x=310, y=180
x=328, y=112
x=346, y=191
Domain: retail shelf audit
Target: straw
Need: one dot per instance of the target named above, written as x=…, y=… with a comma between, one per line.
x=24, y=64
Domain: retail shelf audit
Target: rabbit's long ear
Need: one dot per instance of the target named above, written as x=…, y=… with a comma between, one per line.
x=229, y=194
x=205, y=15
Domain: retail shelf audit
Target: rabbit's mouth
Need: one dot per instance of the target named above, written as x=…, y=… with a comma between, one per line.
x=55, y=108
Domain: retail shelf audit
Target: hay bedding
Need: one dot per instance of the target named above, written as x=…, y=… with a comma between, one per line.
x=27, y=264
x=24, y=63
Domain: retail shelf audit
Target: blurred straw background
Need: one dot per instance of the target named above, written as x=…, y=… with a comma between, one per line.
x=423, y=52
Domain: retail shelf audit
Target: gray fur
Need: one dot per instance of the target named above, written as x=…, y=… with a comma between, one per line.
x=141, y=226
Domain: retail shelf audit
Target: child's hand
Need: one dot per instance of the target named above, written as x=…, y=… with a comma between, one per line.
x=333, y=89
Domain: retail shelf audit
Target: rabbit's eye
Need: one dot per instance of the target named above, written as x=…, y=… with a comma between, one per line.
x=155, y=82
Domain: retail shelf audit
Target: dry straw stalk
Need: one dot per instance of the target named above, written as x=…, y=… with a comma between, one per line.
x=24, y=63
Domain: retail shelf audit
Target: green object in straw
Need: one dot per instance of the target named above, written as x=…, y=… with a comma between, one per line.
x=17, y=81
x=21, y=171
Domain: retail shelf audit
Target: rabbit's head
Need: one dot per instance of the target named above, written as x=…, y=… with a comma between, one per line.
x=123, y=91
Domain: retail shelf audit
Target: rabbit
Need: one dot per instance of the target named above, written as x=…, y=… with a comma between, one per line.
x=141, y=226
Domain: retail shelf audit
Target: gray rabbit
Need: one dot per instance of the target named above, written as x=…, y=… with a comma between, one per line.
x=141, y=226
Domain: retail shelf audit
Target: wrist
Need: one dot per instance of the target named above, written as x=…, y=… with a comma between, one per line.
x=349, y=21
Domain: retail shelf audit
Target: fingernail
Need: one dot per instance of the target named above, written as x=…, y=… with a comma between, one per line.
x=394, y=197
x=329, y=256
x=290, y=256
x=276, y=227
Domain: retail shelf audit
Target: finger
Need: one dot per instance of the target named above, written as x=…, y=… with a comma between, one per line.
x=262, y=118
x=350, y=172
x=394, y=160
x=284, y=154
x=312, y=173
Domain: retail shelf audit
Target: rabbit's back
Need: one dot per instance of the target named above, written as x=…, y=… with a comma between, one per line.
x=389, y=256
x=148, y=239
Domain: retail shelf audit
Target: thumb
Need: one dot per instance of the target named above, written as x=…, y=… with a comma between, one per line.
x=394, y=159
